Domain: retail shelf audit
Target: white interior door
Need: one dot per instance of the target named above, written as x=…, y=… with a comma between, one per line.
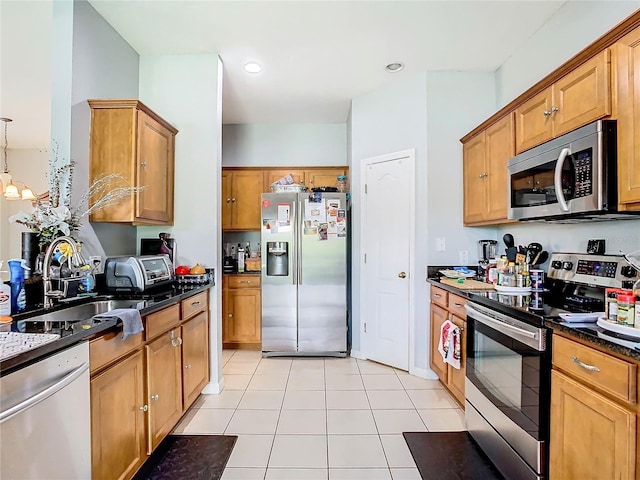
x=387, y=236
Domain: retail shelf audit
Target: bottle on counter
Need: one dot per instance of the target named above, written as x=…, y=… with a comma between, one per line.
x=18, y=295
x=626, y=308
x=240, y=259
x=611, y=304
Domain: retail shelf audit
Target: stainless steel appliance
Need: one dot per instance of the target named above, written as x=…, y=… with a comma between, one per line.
x=508, y=369
x=570, y=178
x=487, y=250
x=304, y=274
x=45, y=425
x=137, y=274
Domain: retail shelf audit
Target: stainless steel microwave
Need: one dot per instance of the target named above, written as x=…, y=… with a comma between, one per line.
x=568, y=179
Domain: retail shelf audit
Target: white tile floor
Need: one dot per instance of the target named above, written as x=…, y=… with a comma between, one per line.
x=329, y=419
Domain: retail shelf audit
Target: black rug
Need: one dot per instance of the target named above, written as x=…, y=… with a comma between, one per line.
x=193, y=457
x=449, y=456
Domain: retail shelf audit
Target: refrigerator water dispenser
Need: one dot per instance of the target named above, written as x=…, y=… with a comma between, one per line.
x=277, y=259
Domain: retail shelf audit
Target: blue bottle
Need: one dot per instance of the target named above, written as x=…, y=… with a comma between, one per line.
x=18, y=297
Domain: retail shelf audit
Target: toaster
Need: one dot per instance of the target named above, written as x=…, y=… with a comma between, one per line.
x=137, y=273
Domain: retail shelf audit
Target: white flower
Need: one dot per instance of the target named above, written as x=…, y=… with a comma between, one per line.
x=19, y=217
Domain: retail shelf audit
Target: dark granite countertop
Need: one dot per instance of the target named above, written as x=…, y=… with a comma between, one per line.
x=593, y=334
x=92, y=329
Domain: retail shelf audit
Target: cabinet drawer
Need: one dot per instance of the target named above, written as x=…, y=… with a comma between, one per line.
x=192, y=305
x=439, y=296
x=243, y=281
x=109, y=347
x=162, y=321
x=456, y=304
x=605, y=372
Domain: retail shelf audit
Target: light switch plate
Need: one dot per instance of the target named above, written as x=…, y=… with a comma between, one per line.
x=463, y=257
x=440, y=244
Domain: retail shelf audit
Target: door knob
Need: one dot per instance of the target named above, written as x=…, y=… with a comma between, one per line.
x=402, y=275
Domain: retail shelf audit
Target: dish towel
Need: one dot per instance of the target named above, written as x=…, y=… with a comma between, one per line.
x=449, y=344
x=444, y=344
x=453, y=358
x=131, y=320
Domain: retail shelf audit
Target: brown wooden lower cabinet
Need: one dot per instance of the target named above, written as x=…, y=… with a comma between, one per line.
x=195, y=357
x=139, y=390
x=451, y=377
x=592, y=437
x=164, y=386
x=241, y=312
x=118, y=420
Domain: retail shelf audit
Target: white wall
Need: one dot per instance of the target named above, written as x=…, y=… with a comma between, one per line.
x=103, y=66
x=249, y=145
x=575, y=25
x=456, y=103
x=389, y=120
x=186, y=91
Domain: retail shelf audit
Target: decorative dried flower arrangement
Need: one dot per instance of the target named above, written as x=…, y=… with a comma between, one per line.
x=52, y=216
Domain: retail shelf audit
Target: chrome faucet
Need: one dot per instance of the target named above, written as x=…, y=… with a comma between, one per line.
x=49, y=293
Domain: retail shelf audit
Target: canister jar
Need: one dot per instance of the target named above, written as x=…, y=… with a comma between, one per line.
x=626, y=308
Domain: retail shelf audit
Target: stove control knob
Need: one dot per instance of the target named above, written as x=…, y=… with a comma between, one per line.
x=556, y=264
x=628, y=271
x=567, y=265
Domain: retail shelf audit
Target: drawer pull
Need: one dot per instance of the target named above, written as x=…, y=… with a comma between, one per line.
x=187, y=366
x=437, y=295
x=144, y=408
x=194, y=304
x=591, y=368
x=155, y=397
x=458, y=305
x=245, y=281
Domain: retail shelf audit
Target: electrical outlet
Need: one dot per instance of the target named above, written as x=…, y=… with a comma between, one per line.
x=440, y=244
x=463, y=257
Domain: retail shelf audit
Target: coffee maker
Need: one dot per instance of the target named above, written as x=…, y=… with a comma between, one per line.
x=229, y=261
x=487, y=251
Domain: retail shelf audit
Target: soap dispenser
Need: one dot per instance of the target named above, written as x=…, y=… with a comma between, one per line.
x=18, y=296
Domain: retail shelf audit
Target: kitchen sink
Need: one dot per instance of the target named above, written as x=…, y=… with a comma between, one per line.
x=84, y=311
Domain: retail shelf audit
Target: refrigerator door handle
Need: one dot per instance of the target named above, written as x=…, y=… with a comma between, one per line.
x=294, y=244
x=299, y=224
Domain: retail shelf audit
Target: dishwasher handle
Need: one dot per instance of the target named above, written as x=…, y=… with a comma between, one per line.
x=44, y=394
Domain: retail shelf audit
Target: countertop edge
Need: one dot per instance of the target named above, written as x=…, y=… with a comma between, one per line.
x=34, y=355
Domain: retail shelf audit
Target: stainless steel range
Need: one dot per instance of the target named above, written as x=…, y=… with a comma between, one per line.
x=508, y=366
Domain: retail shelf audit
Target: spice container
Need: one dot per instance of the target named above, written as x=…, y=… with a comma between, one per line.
x=611, y=305
x=626, y=308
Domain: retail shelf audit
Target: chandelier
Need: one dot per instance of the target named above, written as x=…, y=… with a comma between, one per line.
x=9, y=189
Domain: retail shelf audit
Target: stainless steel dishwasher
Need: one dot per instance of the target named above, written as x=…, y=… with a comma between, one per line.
x=45, y=425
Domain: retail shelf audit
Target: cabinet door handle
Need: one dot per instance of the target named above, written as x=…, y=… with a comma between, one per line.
x=591, y=368
x=187, y=366
x=176, y=342
x=155, y=397
x=144, y=408
x=228, y=200
x=230, y=315
x=550, y=112
x=233, y=199
x=143, y=164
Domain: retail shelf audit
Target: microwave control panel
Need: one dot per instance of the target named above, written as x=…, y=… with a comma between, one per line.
x=584, y=173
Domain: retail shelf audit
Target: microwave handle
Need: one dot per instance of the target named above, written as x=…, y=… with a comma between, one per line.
x=557, y=179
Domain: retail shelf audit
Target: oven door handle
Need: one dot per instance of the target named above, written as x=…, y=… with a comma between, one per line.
x=501, y=326
x=557, y=179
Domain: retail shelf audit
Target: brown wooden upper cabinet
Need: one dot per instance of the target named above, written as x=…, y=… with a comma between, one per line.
x=578, y=98
x=627, y=61
x=129, y=139
x=311, y=177
x=485, y=158
x=241, y=190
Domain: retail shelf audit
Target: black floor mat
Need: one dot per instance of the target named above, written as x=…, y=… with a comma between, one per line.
x=193, y=457
x=449, y=456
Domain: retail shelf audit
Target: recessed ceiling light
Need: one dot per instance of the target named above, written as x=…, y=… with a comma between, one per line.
x=253, y=67
x=394, y=67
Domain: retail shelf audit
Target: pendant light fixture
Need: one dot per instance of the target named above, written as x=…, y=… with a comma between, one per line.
x=9, y=189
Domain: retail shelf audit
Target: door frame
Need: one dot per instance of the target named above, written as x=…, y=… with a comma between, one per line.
x=410, y=155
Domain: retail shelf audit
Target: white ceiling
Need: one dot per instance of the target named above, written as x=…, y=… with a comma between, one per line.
x=317, y=55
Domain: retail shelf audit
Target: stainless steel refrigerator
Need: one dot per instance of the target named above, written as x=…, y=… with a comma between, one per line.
x=304, y=274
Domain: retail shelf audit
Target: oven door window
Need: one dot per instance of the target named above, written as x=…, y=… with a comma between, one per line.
x=536, y=186
x=508, y=373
